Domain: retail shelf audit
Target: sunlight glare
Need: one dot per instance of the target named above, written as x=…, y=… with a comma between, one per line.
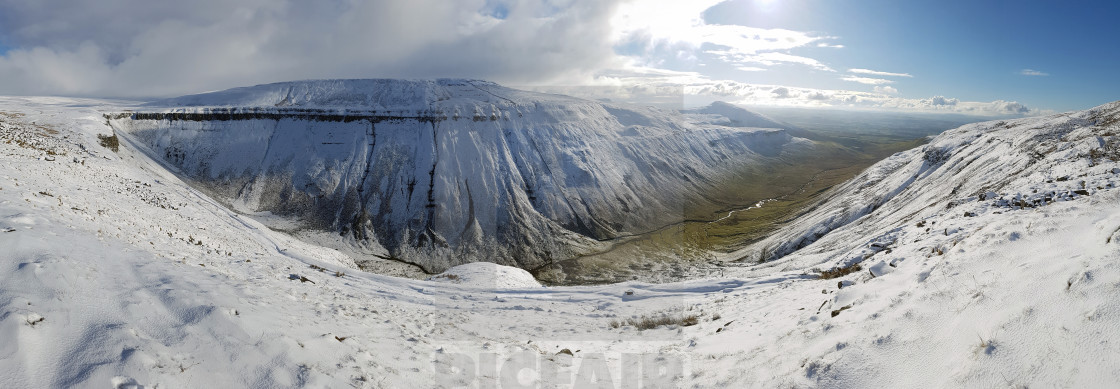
x=767, y=5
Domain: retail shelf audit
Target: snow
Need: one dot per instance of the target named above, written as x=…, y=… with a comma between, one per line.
x=370, y=94
x=488, y=275
x=114, y=272
x=444, y=172
x=1036, y=161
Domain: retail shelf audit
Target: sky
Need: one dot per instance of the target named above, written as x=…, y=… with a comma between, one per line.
x=974, y=57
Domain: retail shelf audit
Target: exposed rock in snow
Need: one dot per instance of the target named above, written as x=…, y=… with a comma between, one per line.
x=440, y=173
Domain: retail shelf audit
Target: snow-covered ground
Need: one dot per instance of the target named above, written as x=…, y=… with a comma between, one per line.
x=114, y=273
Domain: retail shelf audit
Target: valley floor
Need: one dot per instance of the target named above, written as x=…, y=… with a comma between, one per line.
x=115, y=273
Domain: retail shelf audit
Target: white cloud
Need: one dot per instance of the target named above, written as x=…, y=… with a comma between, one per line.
x=835, y=46
x=879, y=73
x=751, y=69
x=940, y=100
x=887, y=90
x=1032, y=72
x=868, y=80
x=653, y=30
x=673, y=21
x=159, y=48
x=769, y=59
x=781, y=93
x=1011, y=107
x=141, y=48
x=753, y=94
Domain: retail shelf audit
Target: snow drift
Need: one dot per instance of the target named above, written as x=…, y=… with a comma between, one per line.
x=445, y=172
x=488, y=276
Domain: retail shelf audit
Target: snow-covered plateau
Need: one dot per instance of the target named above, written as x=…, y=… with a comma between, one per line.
x=987, y=258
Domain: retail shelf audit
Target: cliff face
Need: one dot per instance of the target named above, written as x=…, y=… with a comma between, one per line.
x=440, y=173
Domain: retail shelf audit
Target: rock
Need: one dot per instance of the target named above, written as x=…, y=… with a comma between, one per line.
x=294, y=277
x=837, y=312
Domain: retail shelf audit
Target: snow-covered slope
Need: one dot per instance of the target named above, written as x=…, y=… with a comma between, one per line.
x=440, y=173
x=114, y=273
x=988, y=257
x=983, y=167
x=488, y=275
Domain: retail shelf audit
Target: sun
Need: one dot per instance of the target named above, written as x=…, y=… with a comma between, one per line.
x=767, y=5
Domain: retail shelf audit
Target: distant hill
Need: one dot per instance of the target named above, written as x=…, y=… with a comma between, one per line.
x=727, y=114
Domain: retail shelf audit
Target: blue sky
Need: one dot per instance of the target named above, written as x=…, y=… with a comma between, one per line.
x=975, y=57
x=1057, y=55
x=993, y=57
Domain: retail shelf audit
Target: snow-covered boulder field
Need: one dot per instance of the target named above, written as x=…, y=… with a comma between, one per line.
x=988, y=258
x=445, y=172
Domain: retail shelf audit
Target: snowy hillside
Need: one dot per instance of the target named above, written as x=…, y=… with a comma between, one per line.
x=990, y=167
x=114, y=273
x=440, y=173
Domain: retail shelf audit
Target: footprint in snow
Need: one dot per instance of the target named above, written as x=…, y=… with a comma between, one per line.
x=121, y=382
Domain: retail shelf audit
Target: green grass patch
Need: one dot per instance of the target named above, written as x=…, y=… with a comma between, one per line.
x=795, y=182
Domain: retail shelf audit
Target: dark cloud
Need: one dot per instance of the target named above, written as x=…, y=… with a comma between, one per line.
x=159, y=48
